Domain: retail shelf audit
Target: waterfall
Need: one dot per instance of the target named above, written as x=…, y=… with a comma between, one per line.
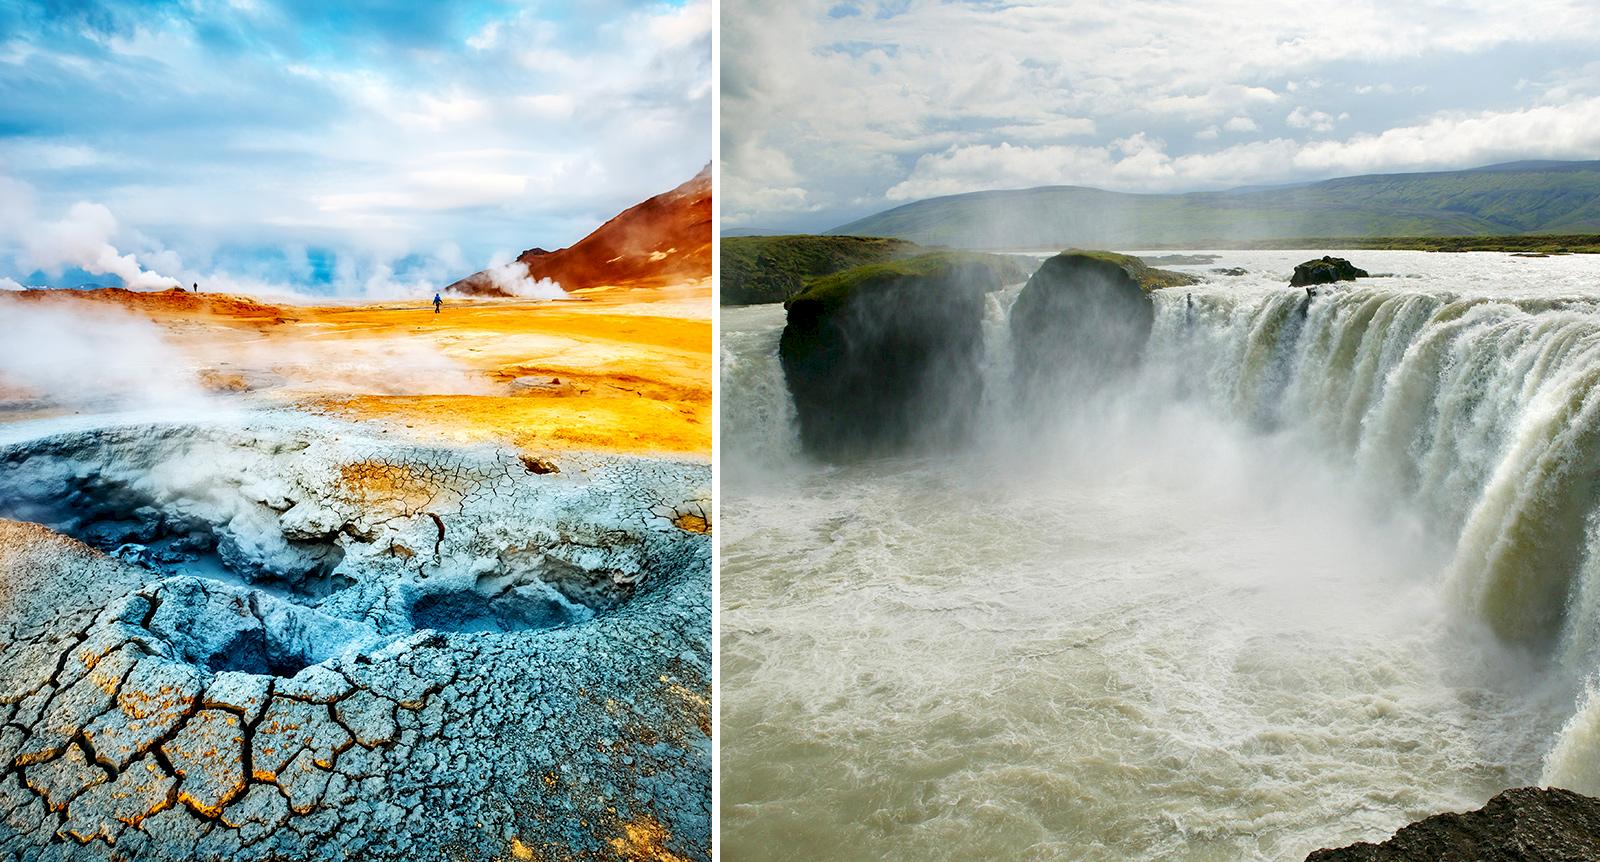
x=999, y=359
x=1464, y=402
x=759, y=430
x=1478, y=415
x=1481, y=415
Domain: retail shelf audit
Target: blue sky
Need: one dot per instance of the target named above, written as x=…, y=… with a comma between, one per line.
x=354, y=148
x=833, y=109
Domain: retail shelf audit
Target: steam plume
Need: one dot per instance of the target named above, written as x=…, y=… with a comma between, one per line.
x=83, y=239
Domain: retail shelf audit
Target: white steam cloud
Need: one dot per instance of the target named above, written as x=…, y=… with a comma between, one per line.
x=513, y=278
x=88, y=233
x=83, y=239
x=100, y=357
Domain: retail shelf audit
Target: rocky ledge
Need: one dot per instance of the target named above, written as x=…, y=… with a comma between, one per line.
x=1529, y=824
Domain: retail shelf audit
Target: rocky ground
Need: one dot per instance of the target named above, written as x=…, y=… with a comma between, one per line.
x=619, y=370
x=1528, y=824
x=385, y=585
x=288, y=640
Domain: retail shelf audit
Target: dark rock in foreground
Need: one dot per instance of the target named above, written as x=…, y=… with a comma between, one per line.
x=1325, y=271
x=886, y=357
x=1524, y=825
x=1084, y=318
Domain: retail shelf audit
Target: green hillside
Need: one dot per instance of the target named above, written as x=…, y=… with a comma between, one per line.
x=758, y=269
x=1501, y=200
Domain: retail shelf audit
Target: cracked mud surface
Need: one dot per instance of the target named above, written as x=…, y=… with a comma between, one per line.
x=317, y=647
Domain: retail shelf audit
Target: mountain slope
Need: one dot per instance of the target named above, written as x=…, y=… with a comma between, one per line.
x=666, y=239
x=1513, y=198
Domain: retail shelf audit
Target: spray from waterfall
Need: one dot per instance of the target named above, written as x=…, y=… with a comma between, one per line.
x=1465, y=416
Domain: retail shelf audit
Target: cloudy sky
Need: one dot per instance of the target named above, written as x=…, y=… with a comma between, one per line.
x=833, y=109
x=364, y=147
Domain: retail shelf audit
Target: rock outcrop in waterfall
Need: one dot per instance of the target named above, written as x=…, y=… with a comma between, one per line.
x=1325, y=270
x=886, y=357
x=1083, y=319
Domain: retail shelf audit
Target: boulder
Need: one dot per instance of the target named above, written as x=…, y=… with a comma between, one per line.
x=1526, y=824
x=1084, y=318
x=1327, y=270
x=886, y=357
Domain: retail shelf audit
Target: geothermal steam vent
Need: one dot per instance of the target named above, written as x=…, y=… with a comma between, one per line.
x=269, y=641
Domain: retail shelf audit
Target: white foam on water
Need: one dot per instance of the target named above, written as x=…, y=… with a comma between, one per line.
x=1321, y=570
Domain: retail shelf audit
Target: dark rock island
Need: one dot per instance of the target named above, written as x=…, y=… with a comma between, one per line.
x=1084, y=317
x=1325, y=271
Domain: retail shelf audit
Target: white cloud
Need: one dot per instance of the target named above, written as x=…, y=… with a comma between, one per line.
x=1139, y=163
x=375, y=156
x=1047, y=128
x=924, y=97
x=1316, y=121
x=1461, y=140
x=1216, y=101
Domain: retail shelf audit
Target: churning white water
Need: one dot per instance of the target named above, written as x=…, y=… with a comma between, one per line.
x=1321, y=570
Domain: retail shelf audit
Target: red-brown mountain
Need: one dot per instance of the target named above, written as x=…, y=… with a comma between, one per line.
x=666, y=239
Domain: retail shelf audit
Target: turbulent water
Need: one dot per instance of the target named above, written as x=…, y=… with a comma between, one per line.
x=1322, y=569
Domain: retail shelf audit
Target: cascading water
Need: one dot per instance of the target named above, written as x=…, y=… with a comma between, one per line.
x=1324, y=566
x=1479, y=414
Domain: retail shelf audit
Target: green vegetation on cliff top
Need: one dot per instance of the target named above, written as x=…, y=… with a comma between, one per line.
x=830, y=290
x=1529, y=244
x=759, y=269
x=1148, y=277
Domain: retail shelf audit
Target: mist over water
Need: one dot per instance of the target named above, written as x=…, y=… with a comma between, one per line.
x=1319, y=569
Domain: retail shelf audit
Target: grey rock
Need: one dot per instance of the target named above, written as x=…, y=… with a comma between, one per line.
x=280, y=696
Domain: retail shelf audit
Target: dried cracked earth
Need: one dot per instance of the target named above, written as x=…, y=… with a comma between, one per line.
x=278, y=639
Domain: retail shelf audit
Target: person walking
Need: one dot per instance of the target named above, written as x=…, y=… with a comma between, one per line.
x=437, y=301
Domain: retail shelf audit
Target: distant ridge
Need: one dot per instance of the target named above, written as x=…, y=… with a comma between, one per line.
x=1513, y=198
x=664, y=240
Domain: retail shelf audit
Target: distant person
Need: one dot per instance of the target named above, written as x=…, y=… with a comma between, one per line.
x=197, y=287
x=437, y=301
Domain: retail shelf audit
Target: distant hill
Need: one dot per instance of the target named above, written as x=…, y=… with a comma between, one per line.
x=755, y=231
x=171, y=301
x=758, y=269
x=1498, y=200
x=664, y=240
